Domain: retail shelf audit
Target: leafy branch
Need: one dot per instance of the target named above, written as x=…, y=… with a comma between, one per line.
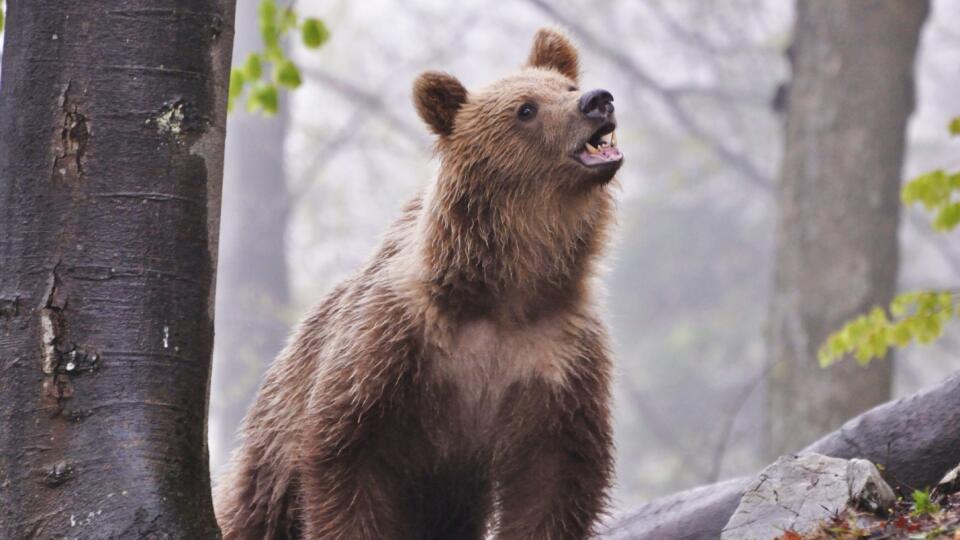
x=263, y=73
x=917, y=316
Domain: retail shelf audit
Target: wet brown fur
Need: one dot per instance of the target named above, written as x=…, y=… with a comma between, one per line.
x=459, y=383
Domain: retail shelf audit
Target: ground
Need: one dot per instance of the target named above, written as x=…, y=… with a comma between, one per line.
x=908, y=521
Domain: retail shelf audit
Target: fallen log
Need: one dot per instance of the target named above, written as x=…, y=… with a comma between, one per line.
x=915, y=440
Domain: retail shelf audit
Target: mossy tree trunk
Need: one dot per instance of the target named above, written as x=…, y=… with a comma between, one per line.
x=838, y=197
x=112, y=116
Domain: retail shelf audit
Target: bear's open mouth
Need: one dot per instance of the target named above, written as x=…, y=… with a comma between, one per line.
x=600, y=148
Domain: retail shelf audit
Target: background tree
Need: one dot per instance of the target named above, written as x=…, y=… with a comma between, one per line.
x=110, y=178
x=836, y=251
x=252, y=285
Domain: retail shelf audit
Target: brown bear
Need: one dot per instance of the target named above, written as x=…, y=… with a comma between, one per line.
x=458, y=385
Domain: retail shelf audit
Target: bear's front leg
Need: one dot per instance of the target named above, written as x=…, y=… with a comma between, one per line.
x=553, y=481
x=351, y=497
x=348, y=487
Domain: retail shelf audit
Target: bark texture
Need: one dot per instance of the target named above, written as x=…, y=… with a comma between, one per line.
x=916, y=439
x=838, y=196
x=253, y=291
x=112, y=116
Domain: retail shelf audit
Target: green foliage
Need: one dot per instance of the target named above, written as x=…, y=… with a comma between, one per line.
x=262, y=73
x=915, y=316
x=936, y=191
x=912, y=317
x=1, y=17
x=923, y=504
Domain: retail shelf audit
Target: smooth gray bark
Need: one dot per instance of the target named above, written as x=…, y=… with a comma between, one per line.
x=112, y=116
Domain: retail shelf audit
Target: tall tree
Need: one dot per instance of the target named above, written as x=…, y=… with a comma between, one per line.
x=838, y=196
x=110, y=176
x=252, y=285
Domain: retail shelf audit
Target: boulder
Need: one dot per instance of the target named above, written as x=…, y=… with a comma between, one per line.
x=798, y=493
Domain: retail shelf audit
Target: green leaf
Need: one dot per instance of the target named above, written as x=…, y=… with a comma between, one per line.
x=315, y=33
x=824, y=358
x=267, y=10
x=288, y=20
x=265, y=97
x=901, y=335
x=947, y=218
x=269, y=29
x=955, y=126
x=253, y=67
x=1, y=18
x=237, y=81
x=270, y=34
x=898, y=307
x=288, y=75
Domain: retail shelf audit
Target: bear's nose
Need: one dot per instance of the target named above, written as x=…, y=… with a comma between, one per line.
x=597, y=104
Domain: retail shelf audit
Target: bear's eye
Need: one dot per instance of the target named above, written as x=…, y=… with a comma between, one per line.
x=572, y=88
x=527, y=111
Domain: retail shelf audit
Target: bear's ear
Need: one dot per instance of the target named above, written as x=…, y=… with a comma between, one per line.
x=438, y=97
x=553, y=50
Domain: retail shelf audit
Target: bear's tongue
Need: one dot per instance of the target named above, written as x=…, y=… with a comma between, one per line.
x=603, y=150
x=603, y=155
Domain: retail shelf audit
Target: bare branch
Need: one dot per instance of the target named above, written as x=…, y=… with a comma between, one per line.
x=723, y=442
x=685, y=35
x=664, y=432
x=368, y=100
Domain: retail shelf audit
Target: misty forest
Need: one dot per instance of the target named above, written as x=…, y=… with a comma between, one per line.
x=182, y=182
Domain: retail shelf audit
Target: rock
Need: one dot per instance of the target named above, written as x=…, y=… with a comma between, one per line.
x=868, y=490
x=797, y=493
x=950, y=483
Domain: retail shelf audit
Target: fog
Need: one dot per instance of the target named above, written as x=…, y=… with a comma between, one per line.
x=308, y=194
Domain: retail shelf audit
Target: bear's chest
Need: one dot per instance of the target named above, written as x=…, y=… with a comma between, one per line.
x=483, y=359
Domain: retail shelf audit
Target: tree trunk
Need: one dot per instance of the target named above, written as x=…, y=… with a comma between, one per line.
x=838, y=196
x=916, y=439
x=252, y=286
x=112, y=116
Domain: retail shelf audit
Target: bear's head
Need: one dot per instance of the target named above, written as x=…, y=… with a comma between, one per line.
x=519, y=209
x=533, y=129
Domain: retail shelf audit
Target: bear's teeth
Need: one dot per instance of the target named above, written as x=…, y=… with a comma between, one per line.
x=591, y=148
x=609, y=139
x=613, y=138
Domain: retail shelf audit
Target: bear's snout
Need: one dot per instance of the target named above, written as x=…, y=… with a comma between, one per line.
x=597, y=104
